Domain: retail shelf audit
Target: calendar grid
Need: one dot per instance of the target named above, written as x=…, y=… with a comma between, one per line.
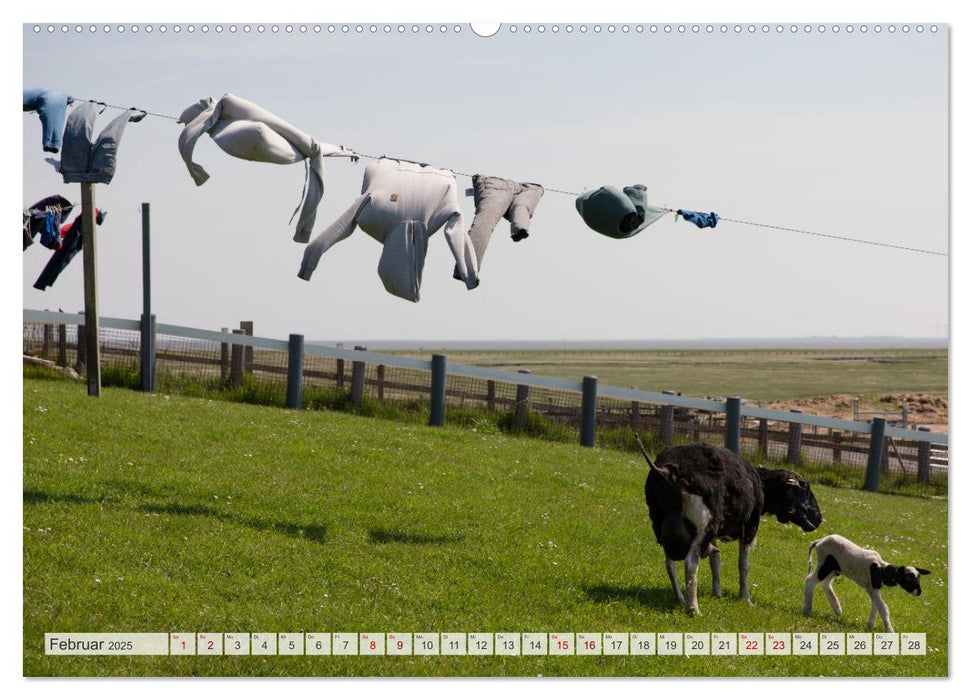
x=456, y=644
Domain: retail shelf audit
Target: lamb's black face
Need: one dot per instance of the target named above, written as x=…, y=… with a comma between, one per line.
x=799, y=504
x=908, y=578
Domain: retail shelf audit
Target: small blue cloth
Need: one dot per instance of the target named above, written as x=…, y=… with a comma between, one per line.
x=699, y=219
x=52, y=109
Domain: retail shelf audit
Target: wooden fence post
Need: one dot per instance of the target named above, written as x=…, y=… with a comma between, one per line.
x=795, y=440
x=491, y=394
x=92, y=354
x=837, y=446
x=82, y=350
x=62, y=345
x=924, y=459
x=357, y=380
x=224, y=367
x=380, y=382
x=247, y=327
x=48, y=328
x=764, y=437
x=522, y=403
x=236, y=362
x=667, y=421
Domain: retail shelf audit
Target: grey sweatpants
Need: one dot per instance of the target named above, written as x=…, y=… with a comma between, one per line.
x=497, y=198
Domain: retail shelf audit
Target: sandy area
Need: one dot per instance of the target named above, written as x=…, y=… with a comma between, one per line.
x=924, y=410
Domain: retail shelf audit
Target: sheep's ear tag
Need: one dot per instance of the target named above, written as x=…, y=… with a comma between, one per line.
x=792, y=482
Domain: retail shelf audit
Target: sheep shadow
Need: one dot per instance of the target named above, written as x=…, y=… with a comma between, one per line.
x=32, y=497
x=313, y=532
x=661, y=598
x=383, y=536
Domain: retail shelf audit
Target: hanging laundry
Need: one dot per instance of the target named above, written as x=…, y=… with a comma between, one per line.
x=245, y=130
x=84, y=160
x=73, y=242
x=497, y=198
x=699, y=219
x=616, y=213
x=400, y=206
x=51, y=107
x=44, y=218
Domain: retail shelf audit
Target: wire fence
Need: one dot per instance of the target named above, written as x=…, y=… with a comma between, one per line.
x=829, y=451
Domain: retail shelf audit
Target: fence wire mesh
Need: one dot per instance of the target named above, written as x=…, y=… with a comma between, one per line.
x=200, y=367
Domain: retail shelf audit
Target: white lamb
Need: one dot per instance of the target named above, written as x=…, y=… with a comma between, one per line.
x=837, y=555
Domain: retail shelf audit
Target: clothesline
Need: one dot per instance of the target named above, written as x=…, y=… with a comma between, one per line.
x=576, y=194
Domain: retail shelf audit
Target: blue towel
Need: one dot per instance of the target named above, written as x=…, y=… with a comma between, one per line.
x=709, y=220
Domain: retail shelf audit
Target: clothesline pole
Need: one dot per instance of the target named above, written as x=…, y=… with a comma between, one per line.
x=92, y=347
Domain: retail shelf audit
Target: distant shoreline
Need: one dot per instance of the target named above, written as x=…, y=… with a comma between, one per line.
x=813, y=343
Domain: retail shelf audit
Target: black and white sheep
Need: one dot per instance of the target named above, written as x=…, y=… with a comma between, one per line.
x=837, y=555
x=699, y=493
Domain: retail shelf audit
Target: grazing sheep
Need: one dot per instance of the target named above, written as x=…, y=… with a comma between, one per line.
x=837, y=555
x=699, y=493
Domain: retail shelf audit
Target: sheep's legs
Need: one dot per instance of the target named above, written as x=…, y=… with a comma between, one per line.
x=715, y=560
x=877, y=604
x=743, y=553
x=672, y=567
x=691, y=580
x=807, y=601
x=834, y=602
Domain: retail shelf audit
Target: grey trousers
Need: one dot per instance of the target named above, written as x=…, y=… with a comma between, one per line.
x=497, y=198
x=84, y=159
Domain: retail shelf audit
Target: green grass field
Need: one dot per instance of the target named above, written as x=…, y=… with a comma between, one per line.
x=154, y=513
x=757, y=375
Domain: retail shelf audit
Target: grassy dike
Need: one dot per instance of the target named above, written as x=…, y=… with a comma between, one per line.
x=155, y=513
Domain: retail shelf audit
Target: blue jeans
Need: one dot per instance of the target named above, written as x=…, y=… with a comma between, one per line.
x=51, y=107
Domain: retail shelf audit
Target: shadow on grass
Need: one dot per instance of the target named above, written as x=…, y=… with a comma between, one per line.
x=661, y=598
x=381, y=536
x=72, y=498
x=315, y=533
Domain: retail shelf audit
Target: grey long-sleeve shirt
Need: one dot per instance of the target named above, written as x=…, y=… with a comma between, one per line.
x=246, y=130
x=400, y=206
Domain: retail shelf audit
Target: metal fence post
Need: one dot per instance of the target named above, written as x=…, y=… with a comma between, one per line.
x=146, y=354
x=357, y=380
x=588, y=424
x=733, y=424
x=877, y=430
x=795, y=440
x=924, y=459
x=667, y=421
x=236, y=362
x=522, y=403
x=436, y=414
x=295, y=371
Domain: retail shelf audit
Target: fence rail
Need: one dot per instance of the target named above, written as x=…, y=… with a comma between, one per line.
x=585, y=408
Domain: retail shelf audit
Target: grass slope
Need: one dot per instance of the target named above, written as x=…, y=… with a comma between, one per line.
x=153, y=513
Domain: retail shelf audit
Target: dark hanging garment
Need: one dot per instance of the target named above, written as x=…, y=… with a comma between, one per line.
x=44, y=219
x=71, y=245
x=618, y=213
x=700, y=219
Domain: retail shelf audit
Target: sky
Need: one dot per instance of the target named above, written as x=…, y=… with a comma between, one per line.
x=841, y=134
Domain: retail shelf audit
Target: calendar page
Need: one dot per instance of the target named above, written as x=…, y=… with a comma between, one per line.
x=687, y=417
